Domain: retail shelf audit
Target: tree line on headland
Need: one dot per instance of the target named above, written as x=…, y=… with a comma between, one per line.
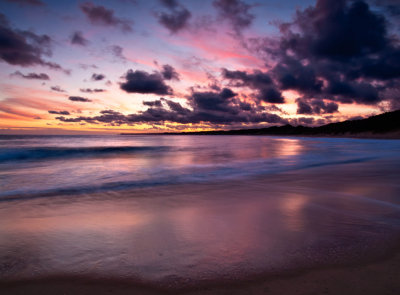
x=386, y=125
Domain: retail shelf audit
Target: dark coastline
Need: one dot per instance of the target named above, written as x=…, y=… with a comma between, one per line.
x=383, y=126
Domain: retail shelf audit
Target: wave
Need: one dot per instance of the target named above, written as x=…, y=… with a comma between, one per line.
x=191, y=174
x=43, y=153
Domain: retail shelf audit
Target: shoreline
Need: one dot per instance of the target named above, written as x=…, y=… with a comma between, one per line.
x=371, y=271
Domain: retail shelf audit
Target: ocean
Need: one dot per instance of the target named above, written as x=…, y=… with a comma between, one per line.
x=38, y=165
x=184, y=210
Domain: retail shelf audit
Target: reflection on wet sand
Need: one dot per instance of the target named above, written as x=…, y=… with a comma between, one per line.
x=206, y=231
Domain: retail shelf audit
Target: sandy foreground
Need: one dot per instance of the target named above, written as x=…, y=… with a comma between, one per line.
x=372, y=272
x=381, y=277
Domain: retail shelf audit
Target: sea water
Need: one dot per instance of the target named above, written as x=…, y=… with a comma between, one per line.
x=183, y=210
x=37, y=165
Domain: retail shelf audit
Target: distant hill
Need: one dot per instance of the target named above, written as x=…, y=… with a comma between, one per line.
x=385, y=125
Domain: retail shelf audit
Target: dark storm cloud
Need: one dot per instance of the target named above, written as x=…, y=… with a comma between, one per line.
x=32, y=76
x=77, y=38
x=3, y=20
x=169, y=73
x=71, y=120
x=386, y=67
x=303, y=107
x=338, y=50
x=57, y=89
x=212, y=101
x=90, y=90
x=349, y=91
x=392, y=6
x=270, y=95
x=236, y=11
x=100, y=15
x=177, y=17
x=79, y=98
x=65, y=113
x=177, y=107
x=221, y=107
x=97, y=77
x=259, y=81
x=153, y=103
x=291, y=74
x=255, y=80
x=24, y=48
x=334, y=30
x=315, y=106
x=27, y=2
x=143, y=82
x=175, y=21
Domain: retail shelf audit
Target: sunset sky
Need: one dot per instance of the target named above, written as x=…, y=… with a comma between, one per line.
x=169, y=65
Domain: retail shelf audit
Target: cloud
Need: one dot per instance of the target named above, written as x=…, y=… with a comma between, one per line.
x=177, y=107
x=77, y=38
x=73, y=120
x=79, y=98
x=100, y=15
x=57, y=89
x=270, y=95
x=118, y=52
x=236, y=12
x=129, y=1
x=154, y=103
x=350, y=91
x=59, y=112
x=339, y=51
x=90, y=90
x=334, y=30
x=24, y=48
x=176, y=19
x=143, y=82
x=3, y=20
x=169, y=73
x=391, y=6
x=212, y=101
x=315, y=106
x=170, y=3
x=291, y=74
x=255, y=80
x=87, y=66
x=27, y=2
x=259, y=81
x=221, y=107
x=32, y=76
x=305, y=120
x=97, y=77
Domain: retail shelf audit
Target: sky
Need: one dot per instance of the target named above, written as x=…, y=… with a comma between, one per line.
x=116, y=66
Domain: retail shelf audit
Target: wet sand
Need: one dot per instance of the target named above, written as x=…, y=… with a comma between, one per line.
x=373, y=278
x=347, y=216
